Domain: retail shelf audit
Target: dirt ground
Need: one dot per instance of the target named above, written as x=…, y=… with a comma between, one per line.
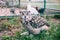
x=10, y=32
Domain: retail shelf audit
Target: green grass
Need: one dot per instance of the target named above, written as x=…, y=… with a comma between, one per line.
x=52, y=34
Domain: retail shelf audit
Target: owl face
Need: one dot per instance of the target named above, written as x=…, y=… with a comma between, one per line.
x=25, y=15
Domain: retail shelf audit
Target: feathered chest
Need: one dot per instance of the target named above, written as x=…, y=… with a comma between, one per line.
x=37, y=22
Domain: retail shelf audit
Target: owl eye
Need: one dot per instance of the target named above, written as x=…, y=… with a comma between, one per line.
x=22, y=13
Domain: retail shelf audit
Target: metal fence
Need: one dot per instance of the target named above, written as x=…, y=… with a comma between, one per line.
x=10, y=3
x=23, y=3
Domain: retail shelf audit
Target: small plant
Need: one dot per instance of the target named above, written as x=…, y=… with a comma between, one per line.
x=57, y=16
x=5, y=37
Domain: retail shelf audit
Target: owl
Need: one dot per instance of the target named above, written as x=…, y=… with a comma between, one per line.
x=34, y=24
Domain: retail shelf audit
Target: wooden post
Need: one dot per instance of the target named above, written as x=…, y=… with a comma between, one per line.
x=19, y=3
x=44, y=9
x=44, y=4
